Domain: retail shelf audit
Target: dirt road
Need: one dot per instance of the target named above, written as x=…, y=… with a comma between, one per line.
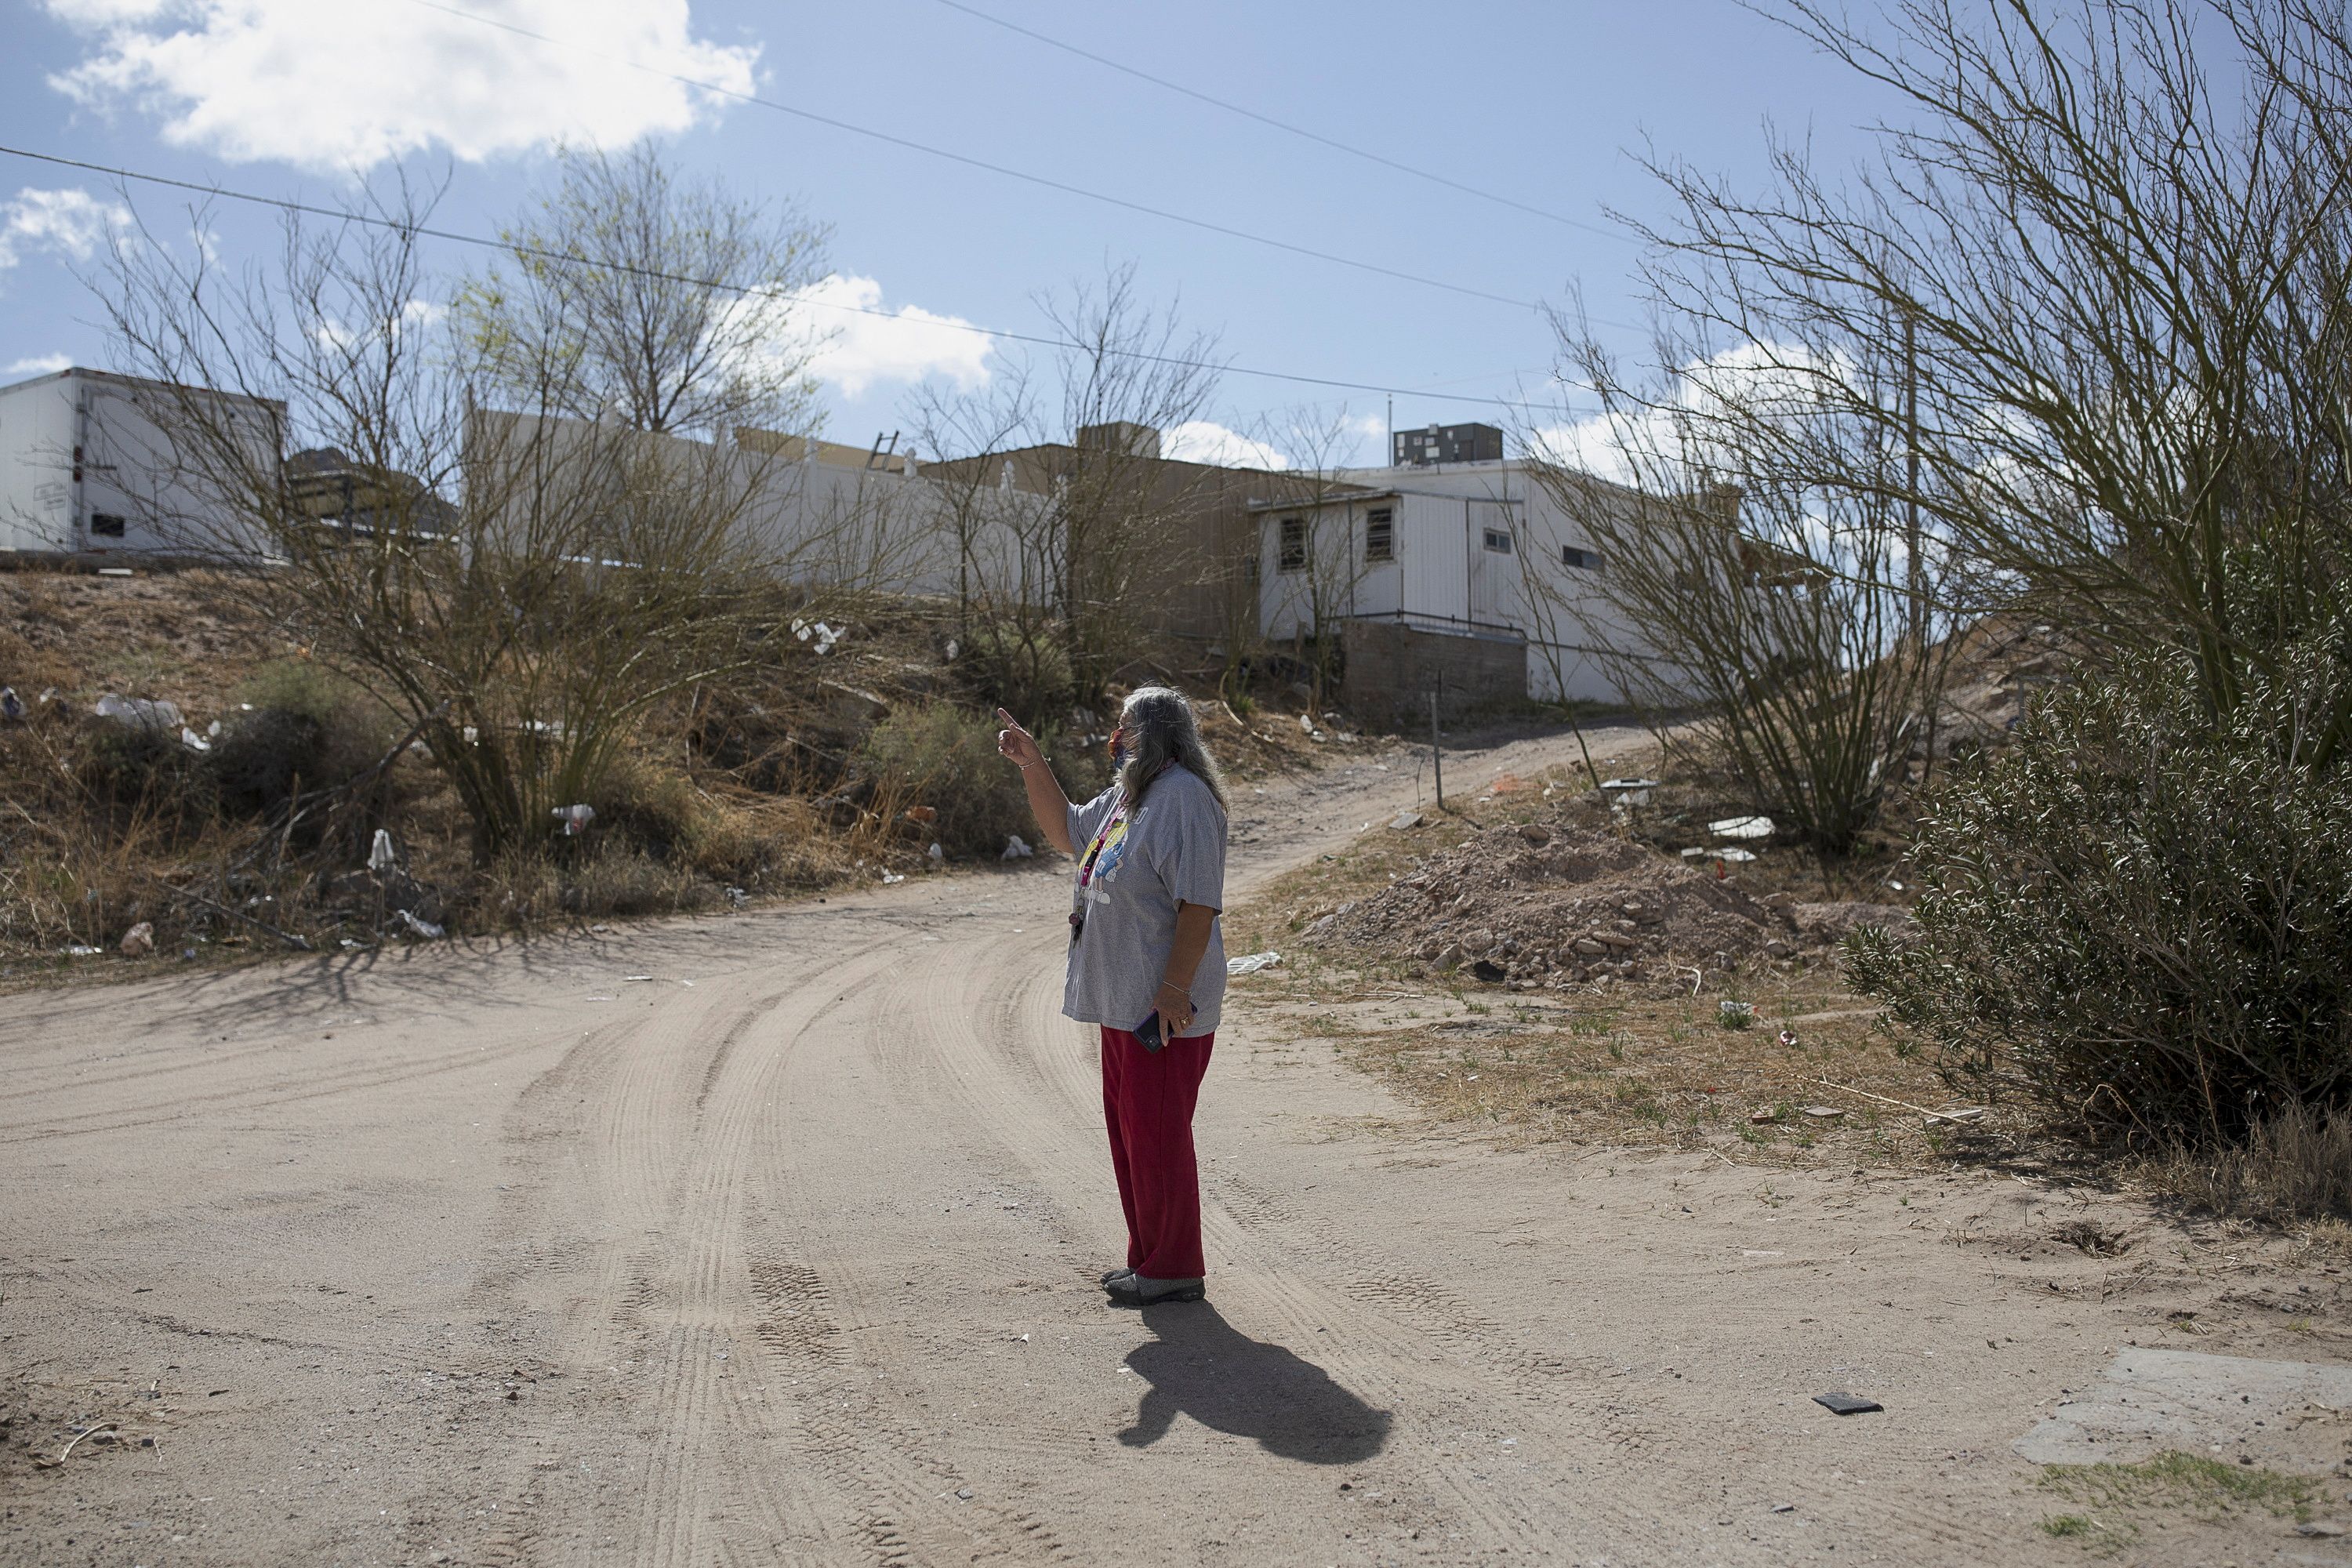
x=772, y=1238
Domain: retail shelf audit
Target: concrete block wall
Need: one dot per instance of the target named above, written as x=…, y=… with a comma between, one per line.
x=1391, y=668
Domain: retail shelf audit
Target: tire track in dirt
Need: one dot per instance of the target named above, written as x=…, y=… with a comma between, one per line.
x=328, y=1085
x=1018, y=1100
x=859, y=1414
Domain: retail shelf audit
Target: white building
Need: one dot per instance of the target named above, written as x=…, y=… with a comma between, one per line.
x=87, y=468
x=1487, y=588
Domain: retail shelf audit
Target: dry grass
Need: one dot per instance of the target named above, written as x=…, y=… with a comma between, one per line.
x=2296, y=1165
x=1618, y=1064
x=718, y=803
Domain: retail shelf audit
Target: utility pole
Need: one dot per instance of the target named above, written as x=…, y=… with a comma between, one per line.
x=1916, y=576
x=1436, y=757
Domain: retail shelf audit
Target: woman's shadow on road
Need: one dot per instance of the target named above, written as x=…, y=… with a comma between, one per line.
x=1202, y=1365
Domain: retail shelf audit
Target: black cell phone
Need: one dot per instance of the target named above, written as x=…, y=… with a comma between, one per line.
x=1148, y=1032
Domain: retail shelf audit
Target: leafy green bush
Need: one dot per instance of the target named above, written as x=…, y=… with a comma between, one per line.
x=1027, y=673
x=299, y=727
x=2140, y=913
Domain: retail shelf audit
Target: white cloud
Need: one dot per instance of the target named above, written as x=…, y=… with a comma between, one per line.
x=855, y=349
x=71, y=222
x=348, y=84
x=39, y=364
x=1206, y=441
x=1763, y=381
x=416, y=316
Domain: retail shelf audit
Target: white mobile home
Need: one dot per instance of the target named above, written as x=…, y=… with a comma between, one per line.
x=88, y=467
x=1465, y=578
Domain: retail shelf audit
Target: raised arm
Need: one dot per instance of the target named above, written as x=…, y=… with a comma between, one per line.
x=1046, y=801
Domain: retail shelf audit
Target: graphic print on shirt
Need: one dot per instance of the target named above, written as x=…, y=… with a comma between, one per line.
x=1100, y=867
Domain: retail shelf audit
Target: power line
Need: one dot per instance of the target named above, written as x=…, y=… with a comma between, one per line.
x=969, y=161
x=511, y=247
x=1314, y=136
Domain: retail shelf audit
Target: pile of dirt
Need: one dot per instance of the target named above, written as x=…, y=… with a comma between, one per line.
x=1537, y=907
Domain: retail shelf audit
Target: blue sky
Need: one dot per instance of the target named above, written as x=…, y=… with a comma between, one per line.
x=1542, y=104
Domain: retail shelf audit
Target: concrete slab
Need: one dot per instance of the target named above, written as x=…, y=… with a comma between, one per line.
x=2289, y=1415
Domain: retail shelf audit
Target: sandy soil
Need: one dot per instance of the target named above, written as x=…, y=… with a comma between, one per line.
x=773, y=1238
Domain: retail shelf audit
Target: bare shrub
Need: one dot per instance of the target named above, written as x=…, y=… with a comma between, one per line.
x=515, y=525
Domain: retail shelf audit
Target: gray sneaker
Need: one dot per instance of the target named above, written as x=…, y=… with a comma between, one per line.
x=1116, y=1277
x=1141, y=1290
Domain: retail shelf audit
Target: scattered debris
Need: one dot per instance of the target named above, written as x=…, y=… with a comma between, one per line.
x=139, y=941
x=1628, y=792
x=422, y=928
x=1741, y=827
x=1788, y=1039
x=92, y=1434
x=1825, y=1112
x=380, y=857
x=138, y=713
x=1253, y=963
x=192, y=740
x=1764, y=1117
x=575, y=818
x=1846, y=1404
x=1736, y=1014
x=890, y=877
x=1405, y=821
x=1017, y=849
x=936, y=854
x=820, y=636
x=12, y=706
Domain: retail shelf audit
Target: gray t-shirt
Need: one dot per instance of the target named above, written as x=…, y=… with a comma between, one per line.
x=1172, y=850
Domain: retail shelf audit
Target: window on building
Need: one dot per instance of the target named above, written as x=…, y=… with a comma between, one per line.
x=1290, y=551
x=1498, y=540
x=1379, y=534
x=1583, y=559
x=106, y=524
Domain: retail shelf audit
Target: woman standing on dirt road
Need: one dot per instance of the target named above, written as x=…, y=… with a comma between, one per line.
x=1147, y=963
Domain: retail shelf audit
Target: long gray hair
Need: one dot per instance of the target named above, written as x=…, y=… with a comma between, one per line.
x=1161, y=729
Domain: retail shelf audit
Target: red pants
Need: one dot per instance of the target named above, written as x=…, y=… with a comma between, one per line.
x=1148, y=1099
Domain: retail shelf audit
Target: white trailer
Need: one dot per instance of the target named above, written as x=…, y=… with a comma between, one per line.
x=88, y=468
x=1476, y=550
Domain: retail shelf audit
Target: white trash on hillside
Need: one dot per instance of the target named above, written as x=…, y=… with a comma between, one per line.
x=380, y=857
x=425, y=928
x=138, y=713
x=1742, y=827
x=575, y=818
x=1253, y=963
x=1017, y=849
